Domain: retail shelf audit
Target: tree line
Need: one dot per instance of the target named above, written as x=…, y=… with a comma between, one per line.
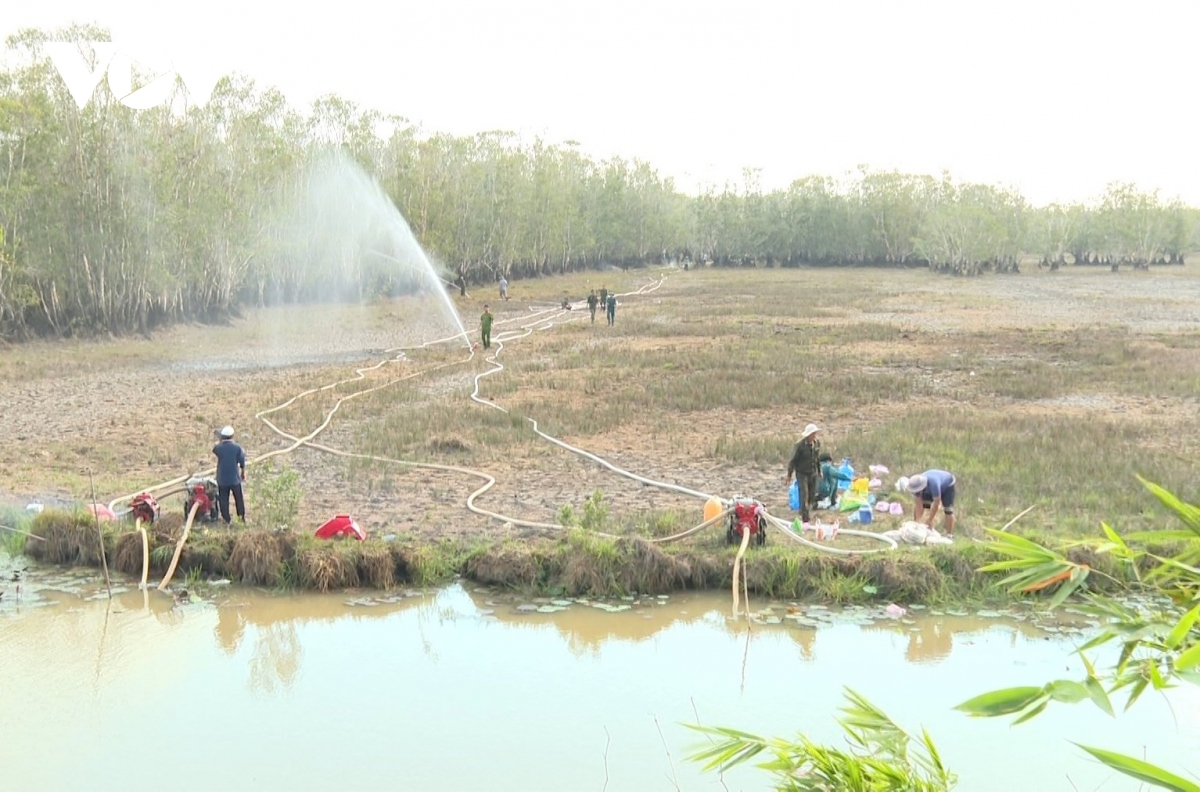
x=118, y=220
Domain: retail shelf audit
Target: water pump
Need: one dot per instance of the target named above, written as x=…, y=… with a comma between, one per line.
x=204, y=492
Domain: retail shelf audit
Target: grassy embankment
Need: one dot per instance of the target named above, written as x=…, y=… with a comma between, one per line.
x=1040, y=405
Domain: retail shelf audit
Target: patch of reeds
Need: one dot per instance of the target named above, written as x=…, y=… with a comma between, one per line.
x=376, y=565
x=210, y=552
x=127, y=557
x=510, y=565
x=257, y=557
x=430, y=563
x=70, y=538
x=325, y=565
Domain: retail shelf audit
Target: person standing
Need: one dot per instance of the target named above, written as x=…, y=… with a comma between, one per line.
x=485, y=327
x=612, y=309
x=503, y=288
x=592, y=302
x=231, y=473
x=603, y=296
x=932, y=489
x=805, y=465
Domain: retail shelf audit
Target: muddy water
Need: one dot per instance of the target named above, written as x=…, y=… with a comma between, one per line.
x=462, y=689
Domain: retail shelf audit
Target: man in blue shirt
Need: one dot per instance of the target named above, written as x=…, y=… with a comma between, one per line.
x=931, y=489
x=231, y=472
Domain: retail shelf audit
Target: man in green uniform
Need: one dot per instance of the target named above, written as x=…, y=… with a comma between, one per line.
x=592, y=303
x=485, y=327
x=604, y=295
x=805, y=465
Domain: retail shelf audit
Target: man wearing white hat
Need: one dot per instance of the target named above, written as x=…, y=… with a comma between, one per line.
x=932, y=489
x=806, y=466
x=231, y=472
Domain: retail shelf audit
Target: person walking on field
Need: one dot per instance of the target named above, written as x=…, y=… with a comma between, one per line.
x=485, y=328
x=603, y=296
x=503, y=288
x=612, y=309
x=932, y=489
x=806, y=467
x=231, y=473
x=592, y=301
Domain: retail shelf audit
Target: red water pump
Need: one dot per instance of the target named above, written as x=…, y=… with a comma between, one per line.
x=343, y=526
x=204, y=492
x=747, y=515
x=144, y=507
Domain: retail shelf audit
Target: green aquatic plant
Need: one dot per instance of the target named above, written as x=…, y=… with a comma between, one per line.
x=880, y=756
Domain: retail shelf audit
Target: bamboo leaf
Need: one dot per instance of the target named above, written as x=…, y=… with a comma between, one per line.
x=1078, y=576
x=1099, y=640
x=1156, y=677
x=1099, y=697
x=1164, y=536
x=1189, y=659
x=1066, y=691
x=1113, y=536
x=1187, y=513
x=1001, y=702
x=1033, y=713
x=1138, y=688
x=1182, y=628
x=1142, y=771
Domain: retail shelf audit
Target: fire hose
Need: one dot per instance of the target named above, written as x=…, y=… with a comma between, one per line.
x=545, y=322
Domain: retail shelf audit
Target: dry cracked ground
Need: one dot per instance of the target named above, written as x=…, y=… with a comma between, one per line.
x=130, y=413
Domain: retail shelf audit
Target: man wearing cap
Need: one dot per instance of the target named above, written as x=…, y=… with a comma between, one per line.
x=807, y=469
x=231, y=472
x=931, y=489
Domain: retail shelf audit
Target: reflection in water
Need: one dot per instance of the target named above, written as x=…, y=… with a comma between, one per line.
x=231, y=626
x=538, y=696
x=587, y=629
x=275, y=659
x=931, y=639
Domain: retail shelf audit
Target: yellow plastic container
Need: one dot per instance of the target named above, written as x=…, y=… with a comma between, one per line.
x=860, y=486
x=712, y=508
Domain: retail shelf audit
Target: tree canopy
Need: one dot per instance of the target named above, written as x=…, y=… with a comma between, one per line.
x=117, y=219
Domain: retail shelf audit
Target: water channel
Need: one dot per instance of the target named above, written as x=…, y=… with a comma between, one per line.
x=468, y=689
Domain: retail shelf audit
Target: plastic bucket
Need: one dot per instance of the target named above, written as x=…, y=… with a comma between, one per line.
x=865, y=515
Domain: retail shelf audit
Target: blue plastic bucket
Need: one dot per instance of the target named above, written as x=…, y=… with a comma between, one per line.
x=865, y=515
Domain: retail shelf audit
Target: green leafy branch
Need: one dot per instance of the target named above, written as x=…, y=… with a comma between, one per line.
x=1159, y=646
x=882, y=756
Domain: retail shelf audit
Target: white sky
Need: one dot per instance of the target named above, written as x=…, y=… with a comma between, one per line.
x=1055, y=98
